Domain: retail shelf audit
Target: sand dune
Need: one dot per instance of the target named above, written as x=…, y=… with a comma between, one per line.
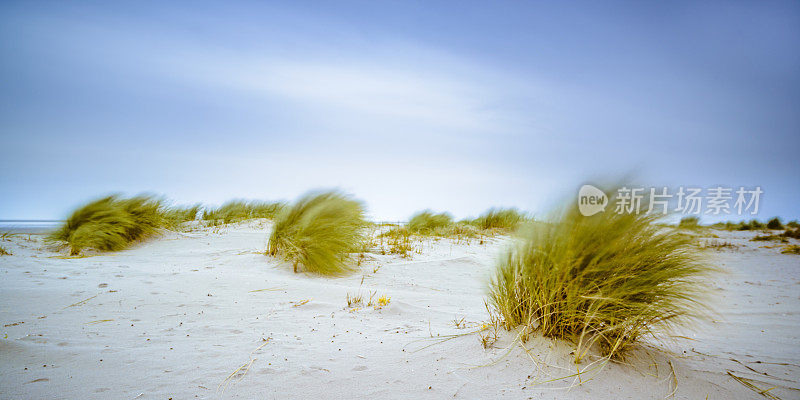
x=207, y=315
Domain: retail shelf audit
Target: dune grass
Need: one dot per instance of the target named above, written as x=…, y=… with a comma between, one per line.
x=319, y=232
x=240, y=210
x=766, y=238
x=774, y=223
x=791, y=249
x=507, y=219
x=494, y=220
x=752, y=225
x=605, y=281
x=725, y=226
x=690, y=222
x=791, y=233
x=175, y=216
x=427, y=222
x=111, y=223
x=399, y=241
x=4, y=252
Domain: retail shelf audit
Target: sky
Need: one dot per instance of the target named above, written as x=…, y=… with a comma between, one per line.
x=456, y=106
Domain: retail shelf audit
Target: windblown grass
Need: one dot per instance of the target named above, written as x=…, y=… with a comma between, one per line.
x=319, y=232
x=500, y=218
x=766, y=238
x=751, y=225
x=754, y=224
x=427, y=222
x=111, y=223
x=774, y=223
x=175, y=216
x=791, y=249
x=791, y=233
x=400, y=242
x=240, y=210
x=606, y=280
x=690, y=222
x=4, y=252
x=718, y=245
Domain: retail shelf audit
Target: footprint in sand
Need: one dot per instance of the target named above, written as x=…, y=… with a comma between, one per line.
x=360, y=368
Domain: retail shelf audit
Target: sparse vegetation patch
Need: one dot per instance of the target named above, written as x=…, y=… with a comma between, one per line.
x=240, y=210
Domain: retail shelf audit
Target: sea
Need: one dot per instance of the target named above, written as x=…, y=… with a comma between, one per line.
x=30, y=227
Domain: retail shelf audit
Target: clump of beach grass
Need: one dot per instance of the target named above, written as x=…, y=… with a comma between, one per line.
x=500, y=218
x=241, y=210
x=606, y=280
x=4, y=252
x=690, y=222
x=765, y=238
x=111, y=223
x=428, y=222
x=774, y=223
x=319, y=232
x=791, y=249
x=400, y=243
x=177, y=215
x=791, y=233
x=752, y=225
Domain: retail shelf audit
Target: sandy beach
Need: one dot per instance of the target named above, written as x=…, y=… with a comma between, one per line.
x=399, y=200
x=206, y=314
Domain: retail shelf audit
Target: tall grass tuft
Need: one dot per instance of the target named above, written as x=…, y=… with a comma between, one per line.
x=690, y=222
x=240, y=210
x=111, y=223
x=605, y=281
x=791, y=233
x=774, y=223
x=427, y=222
x=754, y=224
x=175, y=216
x=500, y=218
x=319, y=232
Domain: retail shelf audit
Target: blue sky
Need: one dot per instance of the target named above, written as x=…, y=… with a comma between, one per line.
x=453, y=106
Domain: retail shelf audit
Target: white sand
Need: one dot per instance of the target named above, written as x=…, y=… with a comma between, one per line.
x=172, y=318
